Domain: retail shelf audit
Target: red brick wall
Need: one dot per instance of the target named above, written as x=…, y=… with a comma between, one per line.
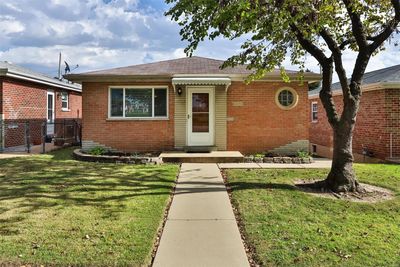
x=371, y=128
x=125, y=135
x=23, y=100
x=392, y=99
x=257, y=124
x=74, y=109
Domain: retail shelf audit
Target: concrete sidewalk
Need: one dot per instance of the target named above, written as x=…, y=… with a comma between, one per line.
x=201, y=228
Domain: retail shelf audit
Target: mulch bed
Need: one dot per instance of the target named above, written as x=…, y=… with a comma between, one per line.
x=372, y=193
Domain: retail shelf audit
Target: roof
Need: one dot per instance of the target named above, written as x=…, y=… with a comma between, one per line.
x=385, y=75
x=195, y=66
x=8, y=69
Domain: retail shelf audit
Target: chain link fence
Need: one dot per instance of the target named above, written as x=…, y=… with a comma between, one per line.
x=38, y=136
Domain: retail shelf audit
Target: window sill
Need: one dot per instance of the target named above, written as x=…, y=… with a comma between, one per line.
x=137, y=119
x=314, y=121
x=65, y=110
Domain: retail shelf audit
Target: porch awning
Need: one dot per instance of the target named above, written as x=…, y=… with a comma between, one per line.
x=202, y=81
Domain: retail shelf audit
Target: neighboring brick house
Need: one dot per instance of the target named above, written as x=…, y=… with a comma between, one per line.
x=28, y=96
x=377, y=130
x=190, y=102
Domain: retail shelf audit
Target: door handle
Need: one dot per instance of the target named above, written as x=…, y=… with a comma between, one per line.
x=188, y=116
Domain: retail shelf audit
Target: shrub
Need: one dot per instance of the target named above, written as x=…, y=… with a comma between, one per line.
x=303, y=154
x=98, y=150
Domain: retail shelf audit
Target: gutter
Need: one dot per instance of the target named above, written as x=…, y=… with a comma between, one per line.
x=22, y=76
x=79, y=78
x=365, y=88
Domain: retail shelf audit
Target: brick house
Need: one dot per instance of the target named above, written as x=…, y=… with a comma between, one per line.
x=377, y=130
x=190, y=103
x=28, y=96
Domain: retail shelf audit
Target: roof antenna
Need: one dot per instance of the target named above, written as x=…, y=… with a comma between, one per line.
x=68, y=68
x=59, y=67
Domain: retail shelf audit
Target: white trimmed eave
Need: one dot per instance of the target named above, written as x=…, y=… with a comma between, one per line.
x=225, y=81
x=35, y=79
x=366, y=88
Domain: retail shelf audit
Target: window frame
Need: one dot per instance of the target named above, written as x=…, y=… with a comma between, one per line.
x=295, y=98
x=124, y=87
x=312, y=111
x=62, y=101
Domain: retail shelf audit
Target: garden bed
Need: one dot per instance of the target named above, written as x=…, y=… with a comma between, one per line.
x=278, y=159
x=116, y=157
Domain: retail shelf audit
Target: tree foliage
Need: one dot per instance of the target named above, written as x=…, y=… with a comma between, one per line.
x=275, y=29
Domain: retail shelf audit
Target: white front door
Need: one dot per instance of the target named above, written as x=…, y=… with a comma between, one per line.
x=200, y=130
x=50, y=112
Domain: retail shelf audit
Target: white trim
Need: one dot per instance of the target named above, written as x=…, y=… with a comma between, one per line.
x=21, y=76
x=67, y=108
x=201, y=81
x=123, y=87
x=312, y=111
x=364, y=88
x=50, y=125
x=295, y=98
x=207, y=140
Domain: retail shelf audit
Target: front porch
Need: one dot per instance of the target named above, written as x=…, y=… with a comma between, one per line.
x=207, y=157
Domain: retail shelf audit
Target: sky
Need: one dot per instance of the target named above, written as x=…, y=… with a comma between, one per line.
x=102, y=34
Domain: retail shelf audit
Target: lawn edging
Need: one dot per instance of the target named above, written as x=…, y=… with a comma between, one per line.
x=79, y=155
x=164, y=220
x=250, y=249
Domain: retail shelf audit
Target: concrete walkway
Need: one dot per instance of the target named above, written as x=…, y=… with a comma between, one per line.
x=201, y=229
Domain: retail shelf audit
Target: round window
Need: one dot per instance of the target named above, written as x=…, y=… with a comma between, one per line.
x=286, y=98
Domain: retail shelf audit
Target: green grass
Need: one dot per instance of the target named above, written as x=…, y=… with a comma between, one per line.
x=58, y=211
x=288, y=227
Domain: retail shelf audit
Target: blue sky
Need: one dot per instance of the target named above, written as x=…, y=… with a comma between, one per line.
x=99, y=34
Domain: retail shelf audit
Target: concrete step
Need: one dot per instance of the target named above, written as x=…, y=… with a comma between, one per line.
x=210, y=157
x=199, y=149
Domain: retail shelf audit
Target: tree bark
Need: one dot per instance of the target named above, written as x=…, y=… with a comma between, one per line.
x=341, y=177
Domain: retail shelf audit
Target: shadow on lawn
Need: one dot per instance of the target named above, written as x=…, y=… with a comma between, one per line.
x=235, y=186
x=28, y=185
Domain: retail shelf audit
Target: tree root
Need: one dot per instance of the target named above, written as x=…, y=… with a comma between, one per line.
x=326, y=187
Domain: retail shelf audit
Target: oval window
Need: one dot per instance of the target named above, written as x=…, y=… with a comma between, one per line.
x=286, y=98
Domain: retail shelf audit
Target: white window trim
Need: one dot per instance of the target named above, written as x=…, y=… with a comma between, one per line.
x=123, y=118
x=67, y=108
x=312, y=111
x=295, y=98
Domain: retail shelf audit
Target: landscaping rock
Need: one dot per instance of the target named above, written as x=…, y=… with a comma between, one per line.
x=296, y=160
x=305, y=160
x=268, y=159
x=278, y=160
x=286, y=159
x=248, y=159
x=258, y=160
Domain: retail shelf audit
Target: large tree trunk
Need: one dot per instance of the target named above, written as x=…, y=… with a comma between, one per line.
x=341, y=177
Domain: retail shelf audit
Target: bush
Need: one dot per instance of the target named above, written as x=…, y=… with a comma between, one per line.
x=98, y=150
x=302, y=154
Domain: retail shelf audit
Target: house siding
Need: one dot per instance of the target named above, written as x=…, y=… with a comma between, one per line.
x=378, y=116
x=180, y=120
x=220, y=118
x=256, y=124
x=123, y=135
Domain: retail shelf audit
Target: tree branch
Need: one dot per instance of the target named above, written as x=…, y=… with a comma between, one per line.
x=357, y=26
x=326, y=93
x=337, y=58
x=308, y=45
x=388, y=30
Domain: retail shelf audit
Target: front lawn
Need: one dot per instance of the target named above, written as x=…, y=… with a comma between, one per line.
x=288, y=227
x=58, y=211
